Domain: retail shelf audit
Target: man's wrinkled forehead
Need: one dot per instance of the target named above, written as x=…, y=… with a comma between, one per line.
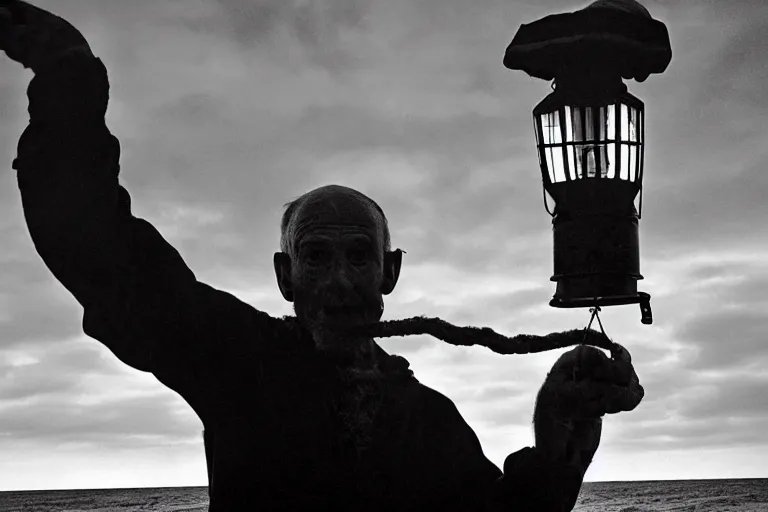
x=337, y=211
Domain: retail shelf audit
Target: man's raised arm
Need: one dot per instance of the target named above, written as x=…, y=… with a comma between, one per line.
x=139, y=297
x=79, y=216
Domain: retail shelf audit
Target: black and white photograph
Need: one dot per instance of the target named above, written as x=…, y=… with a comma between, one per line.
x=384, y=255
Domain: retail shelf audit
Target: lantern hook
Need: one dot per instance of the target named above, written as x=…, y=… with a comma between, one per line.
x=595, y=310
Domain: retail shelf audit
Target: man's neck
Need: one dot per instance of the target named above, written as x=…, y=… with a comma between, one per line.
x=359, y=353
x=365, y=357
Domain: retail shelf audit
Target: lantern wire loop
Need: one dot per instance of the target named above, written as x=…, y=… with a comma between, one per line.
x=595, y=310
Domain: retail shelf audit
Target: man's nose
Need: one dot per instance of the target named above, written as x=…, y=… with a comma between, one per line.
x=343, y=277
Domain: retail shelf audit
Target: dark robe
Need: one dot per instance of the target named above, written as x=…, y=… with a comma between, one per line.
x=269, y=403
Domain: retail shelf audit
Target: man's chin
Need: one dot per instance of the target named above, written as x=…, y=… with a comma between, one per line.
x=342, y=321
x=334, y=336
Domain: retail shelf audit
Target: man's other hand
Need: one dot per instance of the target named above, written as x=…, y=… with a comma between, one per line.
x=583, y=385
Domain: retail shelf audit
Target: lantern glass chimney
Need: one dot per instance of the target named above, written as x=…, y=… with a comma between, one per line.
x=601, y=140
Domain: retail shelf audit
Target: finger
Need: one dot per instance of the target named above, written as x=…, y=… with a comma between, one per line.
x=589, y=358
x=614, y=372
x=596, y=365
x=570, y=399
x=591, y=399
x=589, y=363
x=590, y=355
x=634, y=395
x=622, y=400
x=582, y=356
x=619, y=353
x=614, y=399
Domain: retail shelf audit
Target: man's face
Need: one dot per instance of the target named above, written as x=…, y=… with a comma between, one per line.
x=337, y=264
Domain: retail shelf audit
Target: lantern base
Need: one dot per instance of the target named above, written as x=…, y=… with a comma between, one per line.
x=642, y=298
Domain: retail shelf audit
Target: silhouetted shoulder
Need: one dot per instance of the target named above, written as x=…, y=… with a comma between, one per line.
x=435, y=402
x=236, y=325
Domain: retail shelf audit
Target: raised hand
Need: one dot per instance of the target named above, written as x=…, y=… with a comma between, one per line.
x=34, y=37
x=583, y=385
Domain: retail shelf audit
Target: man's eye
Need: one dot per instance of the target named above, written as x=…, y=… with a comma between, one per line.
x=358, y=256
x=315, y=256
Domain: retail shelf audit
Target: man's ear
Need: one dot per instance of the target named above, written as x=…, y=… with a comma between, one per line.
x=283, y=273
x=393, y=260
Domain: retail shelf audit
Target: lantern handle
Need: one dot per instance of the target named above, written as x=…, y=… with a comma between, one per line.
x=640, y=213
x=546, y=206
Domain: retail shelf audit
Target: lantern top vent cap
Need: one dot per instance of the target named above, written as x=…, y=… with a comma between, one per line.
x=628, y=6
x=607, y=37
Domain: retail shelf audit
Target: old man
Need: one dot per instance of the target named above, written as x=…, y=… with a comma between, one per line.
x=297, y=416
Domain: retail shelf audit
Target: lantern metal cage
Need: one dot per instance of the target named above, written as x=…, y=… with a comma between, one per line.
x=591, y=155
x=590, y=141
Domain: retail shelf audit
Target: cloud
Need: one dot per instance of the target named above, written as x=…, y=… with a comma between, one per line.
x=77, y=392
x=406, y=345
x=513, y=412
x=722, y=344
x=54, y=369
x=732, y=396
x=688, y=408
x=138, y=421
x=679, y=433
x=729, y=328
x=739, y=69
x=33, y=309
x=317, y=29
x=310, y=22
x=722, y=206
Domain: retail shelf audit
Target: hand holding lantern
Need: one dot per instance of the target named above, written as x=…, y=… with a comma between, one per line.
x=590, y=135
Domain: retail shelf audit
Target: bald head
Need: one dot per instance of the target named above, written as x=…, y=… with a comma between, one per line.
x=334, y=204
x=335, y=261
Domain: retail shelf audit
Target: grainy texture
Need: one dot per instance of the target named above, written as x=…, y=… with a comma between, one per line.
x=744, y=495
x=168, y=499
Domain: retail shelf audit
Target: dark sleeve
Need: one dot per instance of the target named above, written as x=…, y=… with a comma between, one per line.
x=528, y=483
x=139, y=297
x=531, y=483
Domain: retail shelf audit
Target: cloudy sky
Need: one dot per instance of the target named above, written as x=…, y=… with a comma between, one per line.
x=227, y=109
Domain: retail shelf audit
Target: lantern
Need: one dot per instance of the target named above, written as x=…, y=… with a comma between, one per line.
x=590, y=136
